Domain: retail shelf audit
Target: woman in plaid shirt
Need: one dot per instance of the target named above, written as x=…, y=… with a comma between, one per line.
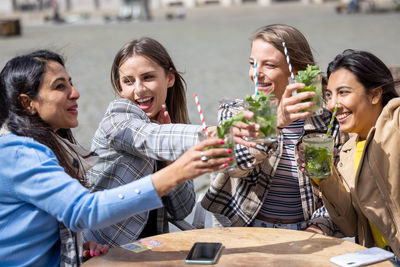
x=267, y=190
x=138, y=136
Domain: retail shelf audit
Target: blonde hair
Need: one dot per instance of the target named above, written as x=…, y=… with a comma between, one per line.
x=298, y=48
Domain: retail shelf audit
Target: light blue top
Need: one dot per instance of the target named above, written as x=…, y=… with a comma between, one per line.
x=36, y=193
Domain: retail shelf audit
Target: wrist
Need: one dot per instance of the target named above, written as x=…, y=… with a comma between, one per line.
x=166, y=179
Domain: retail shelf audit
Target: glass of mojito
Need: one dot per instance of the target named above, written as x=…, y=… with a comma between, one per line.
x=312, y=79
x=264, y=109
x=318, y=153
x=226, y=135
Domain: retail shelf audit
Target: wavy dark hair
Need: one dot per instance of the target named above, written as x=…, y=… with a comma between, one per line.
x=153, y=50
x=24, y=75
x=368, y=69
x=3, y=104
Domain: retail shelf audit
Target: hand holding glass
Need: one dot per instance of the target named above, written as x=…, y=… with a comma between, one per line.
x=229, y=143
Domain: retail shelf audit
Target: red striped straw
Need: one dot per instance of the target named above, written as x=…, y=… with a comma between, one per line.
x=196, y=98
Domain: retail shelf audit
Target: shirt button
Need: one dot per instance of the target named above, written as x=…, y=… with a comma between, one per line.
x=137, y=191
x=121, y=196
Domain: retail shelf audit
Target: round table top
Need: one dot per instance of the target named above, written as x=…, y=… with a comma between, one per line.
x=243, y=246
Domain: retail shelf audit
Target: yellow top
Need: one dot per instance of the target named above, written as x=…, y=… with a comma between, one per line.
x=380, y=241
x=316, y=180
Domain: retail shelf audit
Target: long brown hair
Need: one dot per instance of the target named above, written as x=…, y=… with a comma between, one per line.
x=153, y=50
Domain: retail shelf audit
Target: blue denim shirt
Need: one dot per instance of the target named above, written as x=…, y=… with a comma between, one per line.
x=36, y=194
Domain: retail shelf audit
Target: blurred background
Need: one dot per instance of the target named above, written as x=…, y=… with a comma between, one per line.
x=207, y=39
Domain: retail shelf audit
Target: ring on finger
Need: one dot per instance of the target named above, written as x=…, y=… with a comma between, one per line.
x=203, y=157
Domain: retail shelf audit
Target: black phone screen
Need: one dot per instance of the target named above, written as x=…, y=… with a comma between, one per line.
x=204, y=251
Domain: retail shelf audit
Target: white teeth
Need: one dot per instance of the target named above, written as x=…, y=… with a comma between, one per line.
x=143, y=100
x=342, y=115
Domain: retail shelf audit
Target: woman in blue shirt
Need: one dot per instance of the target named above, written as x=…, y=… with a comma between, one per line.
x=38, y=157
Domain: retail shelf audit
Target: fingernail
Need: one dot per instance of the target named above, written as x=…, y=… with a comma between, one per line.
x=222, y=142
x=225, y=165
x=229, y=150
x=91, y=253
x=230, y=159
x=97, y=253
x=303, y=165
x=102, y=251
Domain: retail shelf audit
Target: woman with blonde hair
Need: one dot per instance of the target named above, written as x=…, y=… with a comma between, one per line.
x=268, y=190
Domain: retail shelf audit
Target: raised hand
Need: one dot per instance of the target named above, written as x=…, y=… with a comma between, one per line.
x=194, y=162
x=163, y=116
x=291, y=107
x=190, y=164
x=242, y=129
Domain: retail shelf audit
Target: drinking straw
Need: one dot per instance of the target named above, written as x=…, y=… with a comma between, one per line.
x=331, y=122
x=196, y=98
x=255, y=78
x=288, y=59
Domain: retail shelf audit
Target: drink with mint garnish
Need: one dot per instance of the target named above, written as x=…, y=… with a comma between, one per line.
x=225, y=134
x=264, y=109
x=312, y=79
x=318, y=153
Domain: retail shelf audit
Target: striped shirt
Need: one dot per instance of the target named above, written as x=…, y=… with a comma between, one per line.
x=283, y=199
x=240, y=194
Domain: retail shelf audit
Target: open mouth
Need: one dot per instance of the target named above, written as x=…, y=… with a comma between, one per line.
x=73, y=110
x=264, y=87
x=343, y=116
x=145, y=103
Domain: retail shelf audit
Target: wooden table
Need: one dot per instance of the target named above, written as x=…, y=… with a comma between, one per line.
x=247, y=246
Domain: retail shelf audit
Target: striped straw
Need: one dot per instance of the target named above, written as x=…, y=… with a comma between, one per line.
x=288, y=59
x=255, y=78
x=196, y=98
x=331, y=122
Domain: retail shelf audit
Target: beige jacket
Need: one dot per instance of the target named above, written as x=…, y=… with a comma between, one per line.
x=373, y=193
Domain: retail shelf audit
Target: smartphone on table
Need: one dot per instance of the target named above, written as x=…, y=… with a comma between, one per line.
x=204, y=253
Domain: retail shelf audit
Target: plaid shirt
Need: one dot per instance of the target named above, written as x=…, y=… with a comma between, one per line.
x=129, y=146
x=239, y=194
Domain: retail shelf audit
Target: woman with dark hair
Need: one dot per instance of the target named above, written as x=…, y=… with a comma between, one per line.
x=143, y=130
x=3, y=105
x=41, y=205
x=362, y=194
x=271, y=191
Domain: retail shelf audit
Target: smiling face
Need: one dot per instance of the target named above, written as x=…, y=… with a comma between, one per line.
x=145, y=83
x=272, y=68
x=357, y=111
x=56, y=102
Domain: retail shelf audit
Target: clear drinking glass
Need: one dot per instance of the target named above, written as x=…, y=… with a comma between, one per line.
x=318, y=153
x=315, y=86
x=265, y=116
x=227, y=136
